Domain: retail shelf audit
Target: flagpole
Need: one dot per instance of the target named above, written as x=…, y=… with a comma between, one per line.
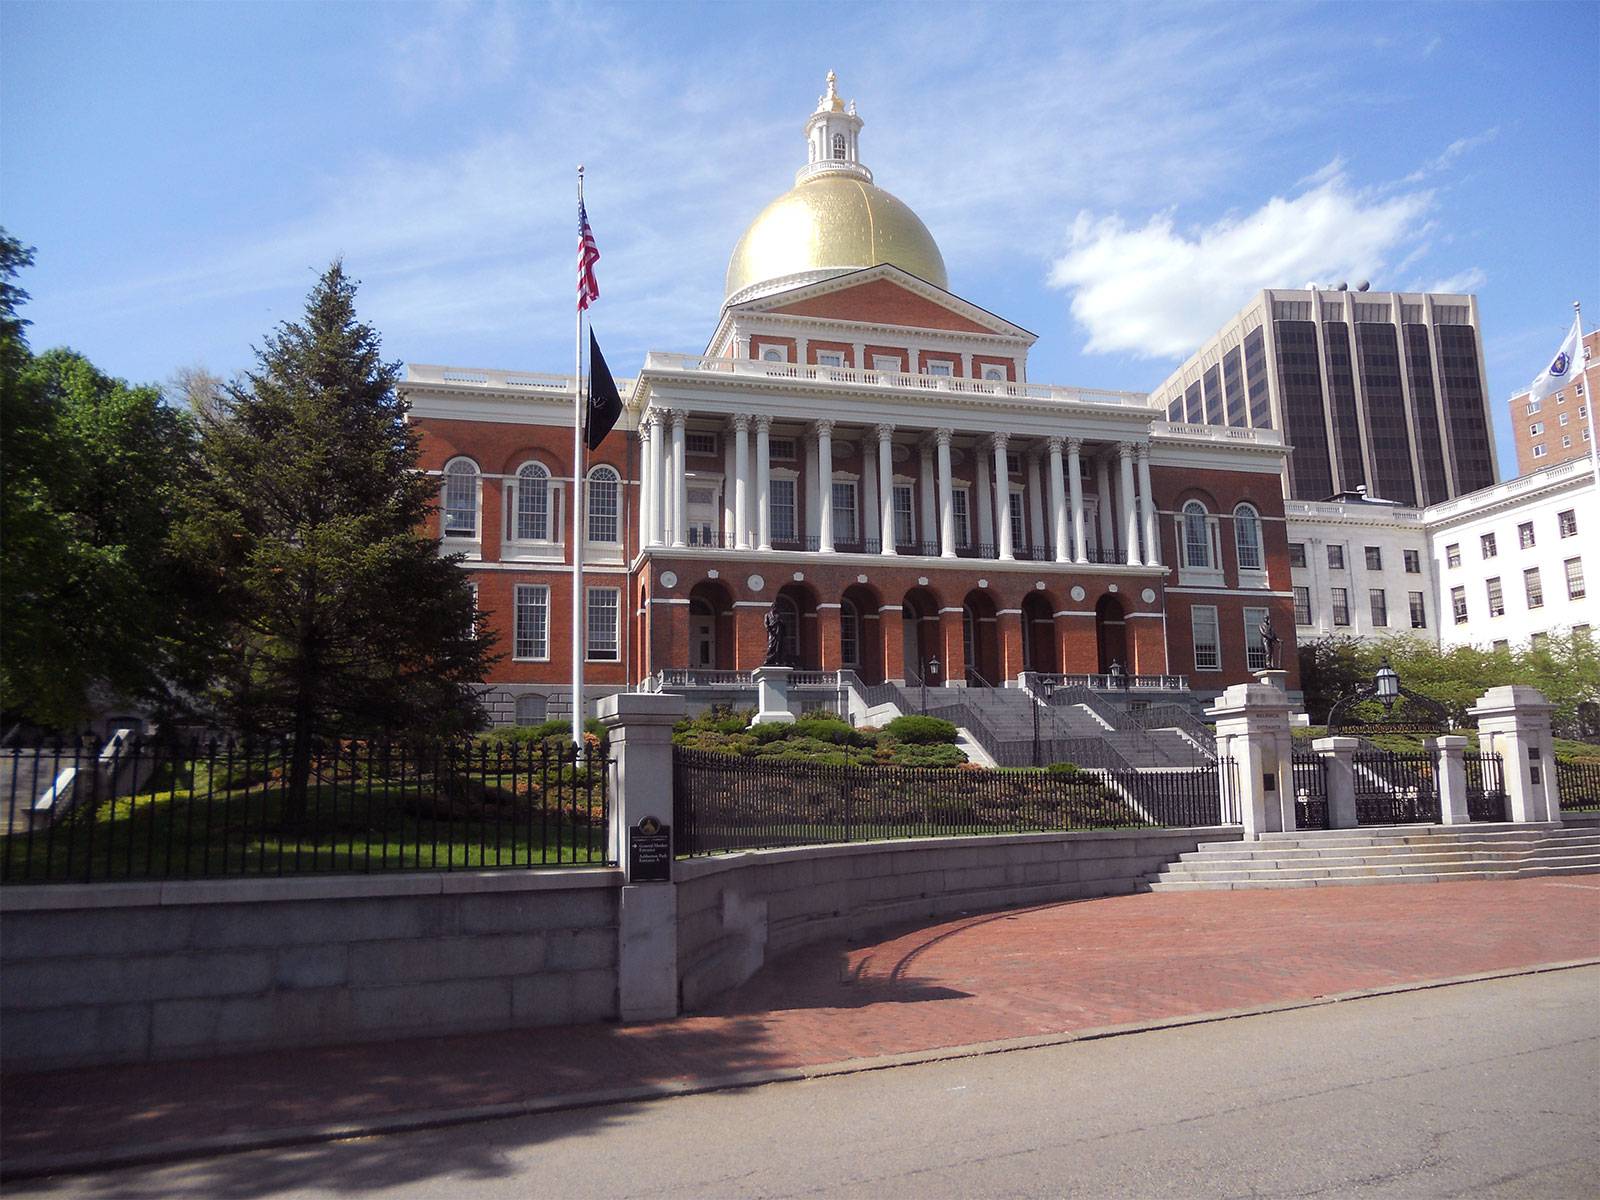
x=1588, y=401
x=577, y=516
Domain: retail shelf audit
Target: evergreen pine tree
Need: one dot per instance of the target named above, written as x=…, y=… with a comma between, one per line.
x=341, y=616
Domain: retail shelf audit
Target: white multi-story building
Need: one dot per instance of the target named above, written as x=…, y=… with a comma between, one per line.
x=1502, y=566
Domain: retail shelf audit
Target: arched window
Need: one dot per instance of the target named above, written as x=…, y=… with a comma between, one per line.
x=1196, y=536
x=604, y=487
x=773, y=354
x=531, y=519
x=1247, y=537
x=838, y=146
x=461, y=499
x=849, y=634
x=790, y=612
x=997, y=374
x=531, y=708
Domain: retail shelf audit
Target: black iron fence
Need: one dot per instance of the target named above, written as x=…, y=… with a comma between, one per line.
x=74, y=812
x=722, y=802
x=1310, y=791
x=1395, y=789
x=1486, y=789
x=1579, y=780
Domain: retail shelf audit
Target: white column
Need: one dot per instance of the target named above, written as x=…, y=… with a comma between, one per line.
x=871, y=518
x=658, y=475
x=886, y=487
x=729, y=537
x=1130, y=515
x=741, y=480
x=813, y=493
x=1147, y=509
x=985, y=490
x=1080, y=544
x=680, y=480
x=930, y=519
x=1035, y=504
x=763, y=483
x=1002, y=498
x=1058, y=501
x=825, y=483
x=1102, y=483
x=947, y=504
x=646, y=476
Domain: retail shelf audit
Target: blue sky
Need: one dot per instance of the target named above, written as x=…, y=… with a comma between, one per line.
x=1117, y=178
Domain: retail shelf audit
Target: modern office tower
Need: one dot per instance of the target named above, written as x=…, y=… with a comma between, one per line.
x=1557, y=429
x=1376, y=391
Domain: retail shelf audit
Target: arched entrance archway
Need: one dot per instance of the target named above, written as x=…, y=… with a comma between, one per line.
x=919, y=629
x=710, y=627
x=860, y=646
x=980, y=638
x=1111, y=633
x=797, y=605
x=1039, y=634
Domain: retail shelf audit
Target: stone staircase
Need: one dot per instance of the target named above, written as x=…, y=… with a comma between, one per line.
x=1387, y=854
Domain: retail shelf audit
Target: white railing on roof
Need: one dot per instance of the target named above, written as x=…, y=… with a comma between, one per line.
x=862, y=377
x=518, y=381
x=1217, y=433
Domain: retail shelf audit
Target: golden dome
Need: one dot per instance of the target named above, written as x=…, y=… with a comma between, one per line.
x=830, y=223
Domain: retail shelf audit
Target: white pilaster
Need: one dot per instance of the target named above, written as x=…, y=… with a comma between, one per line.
x=741, y=480
x=947, y=504
x=646, y=481
x=871, y=520
x=1102, y=484
x=680, y=480
x=657, y=481
x=1130, y=516
x=1058, y=501
x=886, y=487
x=813, y=510
x=1147, y=509
x=1080, y=545
x=985, y=489
x=1002, y=498
x=763, y=482
x=825, y=483
x=1035, y=503
x=930, y=518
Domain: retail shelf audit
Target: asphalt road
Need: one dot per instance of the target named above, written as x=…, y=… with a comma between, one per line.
x=1483, y=1089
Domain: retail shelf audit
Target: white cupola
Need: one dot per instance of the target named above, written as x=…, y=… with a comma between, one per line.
x=833, y=138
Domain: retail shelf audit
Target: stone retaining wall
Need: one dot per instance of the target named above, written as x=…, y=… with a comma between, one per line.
x=131, y=972
x=737, y=911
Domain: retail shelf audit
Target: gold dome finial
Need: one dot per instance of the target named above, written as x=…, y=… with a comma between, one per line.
x=831, y=102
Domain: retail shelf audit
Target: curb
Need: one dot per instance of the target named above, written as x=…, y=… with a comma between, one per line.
x=236, y=1143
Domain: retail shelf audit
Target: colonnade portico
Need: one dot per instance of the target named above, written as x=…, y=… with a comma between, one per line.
x=1056, y=524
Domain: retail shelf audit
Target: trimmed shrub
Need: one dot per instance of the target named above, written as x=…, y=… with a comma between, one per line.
x=922, y=731
x=1062, y=768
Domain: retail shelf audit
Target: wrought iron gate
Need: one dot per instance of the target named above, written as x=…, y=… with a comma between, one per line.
x=1310, y=791
x=1486, y=788
x=1395, y=789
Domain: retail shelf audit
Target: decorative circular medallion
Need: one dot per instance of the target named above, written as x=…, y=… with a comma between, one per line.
x=861, y=578
x=1148, y=595
x=1112, y=588
x=799, y=576
x=755, y=583
x=1038, y=585
x=1078, y=593
x=983, y=583
x=713, y=574
x=669, y=579
x=922, y=581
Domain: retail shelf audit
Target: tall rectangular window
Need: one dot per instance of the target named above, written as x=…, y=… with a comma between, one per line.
x=532, y=621
x=1419, y=610
x=1341, y=605
x=905, y=510
x=1374, y=558
x=1378, y=600
x=844, y=511
x=1532, y=588
x=1486, y=545
x=780, y=509
x=1567, y=523
x=1452, y=554
x=1458, y=604
x=600, y=610
x=1297, y=554
x=1335, y=558
x=1525, y=535
x=1255, y=650
x=604, y=502
x=1413, y=560
x=1575, y=588
x=1016, y=519
x=1497, y=600
x=1207, y=649
x=1302, y=606
x=958, y=504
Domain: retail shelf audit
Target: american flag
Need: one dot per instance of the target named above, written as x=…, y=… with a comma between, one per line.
x=588, y=255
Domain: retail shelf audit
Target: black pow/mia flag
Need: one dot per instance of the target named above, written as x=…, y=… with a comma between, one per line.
x=605, y=406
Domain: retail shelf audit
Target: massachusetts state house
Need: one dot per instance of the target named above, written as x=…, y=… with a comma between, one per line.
x=863, y=448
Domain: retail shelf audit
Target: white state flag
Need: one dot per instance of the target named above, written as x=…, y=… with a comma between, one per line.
x=1563, y=368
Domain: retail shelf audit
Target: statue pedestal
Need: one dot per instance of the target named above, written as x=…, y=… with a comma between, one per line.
x=772, y=706
x=1274, y=677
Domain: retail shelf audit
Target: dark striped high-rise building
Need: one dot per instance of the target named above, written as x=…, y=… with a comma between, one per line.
x=1376, y=391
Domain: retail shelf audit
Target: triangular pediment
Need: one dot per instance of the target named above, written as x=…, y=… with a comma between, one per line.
x=885, y=295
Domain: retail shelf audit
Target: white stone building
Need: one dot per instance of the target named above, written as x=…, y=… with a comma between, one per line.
x=1361, y=568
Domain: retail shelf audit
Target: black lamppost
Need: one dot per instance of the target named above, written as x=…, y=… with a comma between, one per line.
x=931, y=667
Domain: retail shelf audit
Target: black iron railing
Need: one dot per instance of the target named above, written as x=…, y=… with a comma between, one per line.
x=1311, y=791
x=1395, y=789
x=723, y=802
x=1486, y=789
x=163, y=810
x=1579, y=780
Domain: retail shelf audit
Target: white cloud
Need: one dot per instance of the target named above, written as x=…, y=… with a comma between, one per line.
x=1156, y=290
x=1469, y=280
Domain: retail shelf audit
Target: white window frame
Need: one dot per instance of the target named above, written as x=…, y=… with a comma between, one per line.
x=460, y=468
x=942, y=367
x=1255, y=650
x=1215, y=630
x=603, y=474
x=1572, y=569
x=961, y=507
x=1567, y=523
x=1417, y=602
x=775, y=354
x=830, y=358
x=549, y=546
x=888, y=364
x=1209, y=572
x=1246, y=517
x=908, y=535
x=1303, y=593
x=1532, y=588
x=1339, y=598
x=1494, y=593
x=994, y=374
x=590, y=607
x=540, y=649
x=1458, y=604
x=1378, y=598
x=849, y=634
x=852, y=532
x=791, y=481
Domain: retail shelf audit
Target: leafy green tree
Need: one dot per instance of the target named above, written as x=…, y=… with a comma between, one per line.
x=341, y=616
x=93, y=469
